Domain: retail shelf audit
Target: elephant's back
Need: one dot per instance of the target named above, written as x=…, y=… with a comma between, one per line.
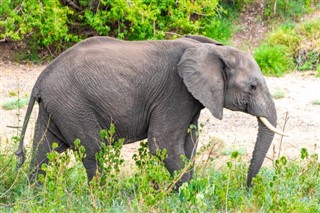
x=104, y=63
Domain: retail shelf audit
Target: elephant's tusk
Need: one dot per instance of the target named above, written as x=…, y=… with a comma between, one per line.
x=271, y=127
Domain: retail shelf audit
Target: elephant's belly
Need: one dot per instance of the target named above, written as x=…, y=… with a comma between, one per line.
x=132, y=128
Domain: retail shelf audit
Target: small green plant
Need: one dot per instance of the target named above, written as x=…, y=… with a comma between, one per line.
x=15, y=103
x=308, y=60
x=109, y=163
x=316, y=102
x=273, y=60
x=13, y=93
x=279, y=93
x=230, y=150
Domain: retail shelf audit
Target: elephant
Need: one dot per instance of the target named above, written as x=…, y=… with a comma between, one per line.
x=150, y=90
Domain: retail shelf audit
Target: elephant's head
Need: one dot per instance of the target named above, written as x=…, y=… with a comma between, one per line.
x=221, y=76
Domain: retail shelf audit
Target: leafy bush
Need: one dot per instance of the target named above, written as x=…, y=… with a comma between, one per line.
x=53, y=24
x=285, y=36
x=40, y=24
x=222, y=30
x=149, y=19
x=273, y=60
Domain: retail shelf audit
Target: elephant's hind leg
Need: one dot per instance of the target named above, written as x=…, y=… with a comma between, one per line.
x=44, y=138
x=86, y=128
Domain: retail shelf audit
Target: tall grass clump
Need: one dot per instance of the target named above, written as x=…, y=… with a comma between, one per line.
x=273, y=60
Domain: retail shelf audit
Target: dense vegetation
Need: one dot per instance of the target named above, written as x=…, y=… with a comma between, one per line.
x=144, y=185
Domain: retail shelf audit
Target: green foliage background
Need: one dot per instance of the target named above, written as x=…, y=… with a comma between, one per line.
x=54, y=22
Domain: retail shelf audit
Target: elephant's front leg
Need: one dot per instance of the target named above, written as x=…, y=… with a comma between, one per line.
x=174, y=141
x=191, y=142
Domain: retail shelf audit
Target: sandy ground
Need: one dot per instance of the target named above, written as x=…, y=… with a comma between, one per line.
x=236, y=130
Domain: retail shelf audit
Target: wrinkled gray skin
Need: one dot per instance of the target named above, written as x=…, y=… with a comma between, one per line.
x=148, y=89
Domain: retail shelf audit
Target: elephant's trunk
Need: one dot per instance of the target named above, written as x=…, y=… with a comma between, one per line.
x=264, y=139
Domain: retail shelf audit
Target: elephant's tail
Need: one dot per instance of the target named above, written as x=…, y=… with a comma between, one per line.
x=20, y=153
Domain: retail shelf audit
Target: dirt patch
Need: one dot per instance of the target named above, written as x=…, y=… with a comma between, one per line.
x=237, y=130
x=252, y=27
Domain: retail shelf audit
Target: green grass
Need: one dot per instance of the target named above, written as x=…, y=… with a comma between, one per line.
x=279, y=93
x=316, y=102
x=15, y=103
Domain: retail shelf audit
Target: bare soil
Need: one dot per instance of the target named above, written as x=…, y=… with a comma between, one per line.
x=237, y=131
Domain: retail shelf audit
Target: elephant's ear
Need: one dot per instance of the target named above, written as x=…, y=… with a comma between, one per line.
x=202, y=70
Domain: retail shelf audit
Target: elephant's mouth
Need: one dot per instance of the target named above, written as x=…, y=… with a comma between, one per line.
x=271, y=127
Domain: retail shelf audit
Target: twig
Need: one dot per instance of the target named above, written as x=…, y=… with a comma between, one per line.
x=14, y=127
x=206, y=163
x=283, y=129
x=9, y=189
x=74, y=5
x=171, y=33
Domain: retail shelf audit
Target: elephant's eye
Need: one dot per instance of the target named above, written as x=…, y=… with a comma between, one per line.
x=253, y=87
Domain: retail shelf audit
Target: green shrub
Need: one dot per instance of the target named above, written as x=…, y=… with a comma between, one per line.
x=273, y=60
x=285, y=36
x=149, y=19
x=220, y=30
x=40, y=24
x=310, y=29
x=53, y=25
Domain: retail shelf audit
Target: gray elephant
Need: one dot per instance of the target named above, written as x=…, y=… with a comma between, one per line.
x=148, y=89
